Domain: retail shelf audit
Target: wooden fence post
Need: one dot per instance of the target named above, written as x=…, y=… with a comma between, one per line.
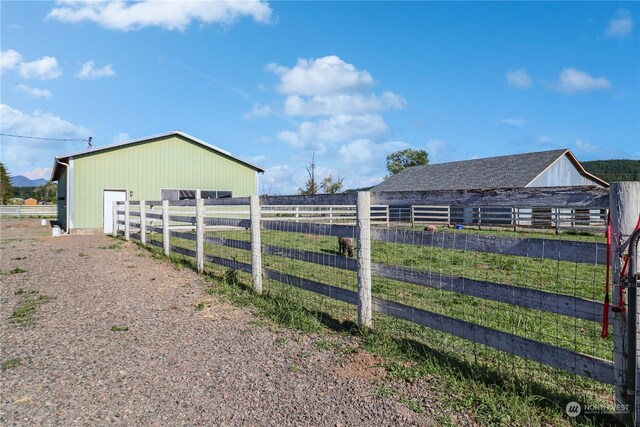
x=200, y=235
x=114, y=229
x=256, y=245
x=143, y=223
x=165, y=227
x=127, y=228
x=363, y=230
x=634, y=330
x=624, y=200
x=411, y=214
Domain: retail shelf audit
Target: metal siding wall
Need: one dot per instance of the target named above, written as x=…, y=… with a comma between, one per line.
x=145, y=168
x=562, y=172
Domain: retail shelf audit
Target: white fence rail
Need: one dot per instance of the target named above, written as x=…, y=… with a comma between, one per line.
x=26, y=211
x=308, y=216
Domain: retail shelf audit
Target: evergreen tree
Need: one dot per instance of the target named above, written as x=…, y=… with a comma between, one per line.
x=6, y=189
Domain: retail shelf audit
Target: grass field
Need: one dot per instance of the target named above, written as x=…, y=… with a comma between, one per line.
x=496, y=387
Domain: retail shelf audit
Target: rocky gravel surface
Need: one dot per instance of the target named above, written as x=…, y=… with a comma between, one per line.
x=121, y=341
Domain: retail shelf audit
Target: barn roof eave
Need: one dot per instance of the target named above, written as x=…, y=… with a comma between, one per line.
x=54, y=171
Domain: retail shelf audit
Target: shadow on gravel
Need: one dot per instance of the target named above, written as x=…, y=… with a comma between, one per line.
x=424, y=359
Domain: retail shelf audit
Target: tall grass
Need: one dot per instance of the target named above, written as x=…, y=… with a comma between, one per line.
x=496, y=387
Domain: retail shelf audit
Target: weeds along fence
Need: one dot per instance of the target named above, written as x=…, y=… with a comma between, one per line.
x=519, y=307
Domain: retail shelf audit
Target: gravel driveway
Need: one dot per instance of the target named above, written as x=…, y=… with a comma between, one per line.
x=166, y=363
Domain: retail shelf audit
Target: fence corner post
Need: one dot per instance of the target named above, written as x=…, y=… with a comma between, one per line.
x=256, y=245
x=200, y=235
x=143, y=222
x=127, y=227
x=624, y=207
x=165, y=227
x=114, y=226
x=363, y=230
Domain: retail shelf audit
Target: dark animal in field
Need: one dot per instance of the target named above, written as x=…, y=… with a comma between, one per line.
x=431, y=228
x=346, y=246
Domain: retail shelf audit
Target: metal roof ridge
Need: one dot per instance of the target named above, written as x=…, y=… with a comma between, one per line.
x=151, y=137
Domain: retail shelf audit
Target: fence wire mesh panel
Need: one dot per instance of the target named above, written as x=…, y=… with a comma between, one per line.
x=545, y=294
x=519, y=307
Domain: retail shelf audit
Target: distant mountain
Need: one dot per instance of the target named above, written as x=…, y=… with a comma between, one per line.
x=614, y=170
x=23, y=181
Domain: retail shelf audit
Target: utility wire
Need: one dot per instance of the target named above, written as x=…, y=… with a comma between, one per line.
x=47, y=139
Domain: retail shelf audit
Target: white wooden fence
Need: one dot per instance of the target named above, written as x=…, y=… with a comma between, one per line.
x=259, y=214
x=26, y=211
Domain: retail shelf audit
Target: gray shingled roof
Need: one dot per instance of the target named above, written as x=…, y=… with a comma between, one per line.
x=513, y=171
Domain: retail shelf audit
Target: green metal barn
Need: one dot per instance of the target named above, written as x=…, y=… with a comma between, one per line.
x=170, y=166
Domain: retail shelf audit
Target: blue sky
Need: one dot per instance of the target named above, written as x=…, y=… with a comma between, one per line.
x=354, y=81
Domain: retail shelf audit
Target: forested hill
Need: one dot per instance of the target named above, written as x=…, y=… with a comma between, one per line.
x=614, y=170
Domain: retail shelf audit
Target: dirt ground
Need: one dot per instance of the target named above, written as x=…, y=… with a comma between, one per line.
x=117, y=339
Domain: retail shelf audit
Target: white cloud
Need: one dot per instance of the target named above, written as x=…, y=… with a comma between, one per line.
x=586, y=150
x=358, y=151
x=514, y=122
x=365, y=152
x=518, y=79
x=88, y=71
x=169, y=15
x=38, y=173
x=258, y=110
x=44, y=68
x=280, y=180
x=348, y=131
x=586, y=147
x=121, y=137
x=342, y=103
x=34, y=92
x=621, y=25
x=338, y=128
x=326, y=75
x=9, y=60
x=573, y=81
x=27, y=154
x=437, y=150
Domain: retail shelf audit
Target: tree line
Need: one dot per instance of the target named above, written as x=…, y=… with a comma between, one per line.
x=614, y=170
x=46, y=193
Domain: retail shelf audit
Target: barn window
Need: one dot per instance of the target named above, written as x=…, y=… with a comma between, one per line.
x=171, y=194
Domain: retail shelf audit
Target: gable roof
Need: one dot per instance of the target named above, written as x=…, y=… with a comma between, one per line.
x=513, y=171
x=66, y=157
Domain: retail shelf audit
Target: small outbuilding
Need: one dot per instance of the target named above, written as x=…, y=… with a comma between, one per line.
x=30, y=202
x=170, y=166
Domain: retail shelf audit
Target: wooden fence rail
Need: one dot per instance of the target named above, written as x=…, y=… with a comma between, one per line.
x=587, y=198
x=25, y=211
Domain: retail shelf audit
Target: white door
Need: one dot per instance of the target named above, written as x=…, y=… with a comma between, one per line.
x=110, y=196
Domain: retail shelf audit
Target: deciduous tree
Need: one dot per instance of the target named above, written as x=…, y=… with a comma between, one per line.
x=404, y=158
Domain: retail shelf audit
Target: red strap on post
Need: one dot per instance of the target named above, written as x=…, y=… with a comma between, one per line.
x=620, y=308
x=605, y=310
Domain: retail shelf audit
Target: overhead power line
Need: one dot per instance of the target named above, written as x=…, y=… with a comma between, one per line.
x=48, y=139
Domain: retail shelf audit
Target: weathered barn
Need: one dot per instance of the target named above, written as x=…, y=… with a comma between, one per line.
x=540, y=169
x=170, y=166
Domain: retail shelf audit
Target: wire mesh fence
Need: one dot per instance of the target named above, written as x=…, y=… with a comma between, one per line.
x=513, y=307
